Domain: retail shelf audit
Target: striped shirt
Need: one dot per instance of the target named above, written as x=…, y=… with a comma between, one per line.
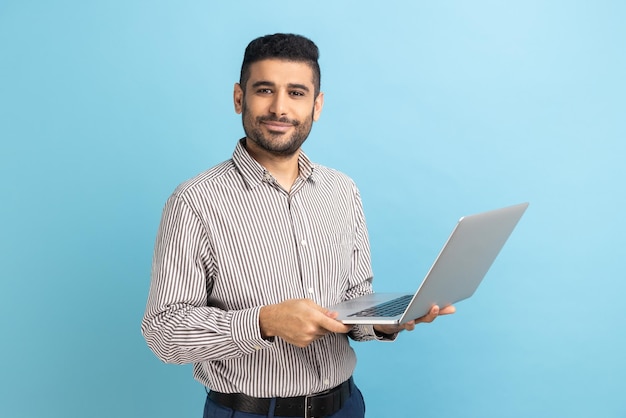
x=232, y=240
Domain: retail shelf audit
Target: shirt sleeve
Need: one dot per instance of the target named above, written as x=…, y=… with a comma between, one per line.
x=179, y=324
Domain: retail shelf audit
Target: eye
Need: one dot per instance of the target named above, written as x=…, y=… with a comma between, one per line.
x=297, y=93
x=264, y=91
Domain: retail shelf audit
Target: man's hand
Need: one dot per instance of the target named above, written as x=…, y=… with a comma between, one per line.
x=299, y=322
x=410, y=326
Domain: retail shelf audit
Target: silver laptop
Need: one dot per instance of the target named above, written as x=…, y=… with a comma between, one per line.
x=456, y=273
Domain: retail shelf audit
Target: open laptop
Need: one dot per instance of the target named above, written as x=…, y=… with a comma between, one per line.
x=457, y=271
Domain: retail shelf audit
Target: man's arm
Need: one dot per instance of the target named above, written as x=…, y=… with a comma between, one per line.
x=178, y=325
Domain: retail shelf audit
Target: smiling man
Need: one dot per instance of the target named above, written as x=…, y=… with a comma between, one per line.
x=250, y=252
x=285, y=109
x=279, y=100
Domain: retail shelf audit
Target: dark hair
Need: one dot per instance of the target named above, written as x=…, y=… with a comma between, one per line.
x=284, y=46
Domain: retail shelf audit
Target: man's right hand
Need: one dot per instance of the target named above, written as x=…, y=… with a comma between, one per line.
x=299, y=322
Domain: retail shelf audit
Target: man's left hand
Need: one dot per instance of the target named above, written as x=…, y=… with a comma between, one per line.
x=410, y=326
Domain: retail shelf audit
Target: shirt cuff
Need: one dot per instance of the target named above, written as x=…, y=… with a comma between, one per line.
x=381, y=336
x=367, y=333
x=245, y=330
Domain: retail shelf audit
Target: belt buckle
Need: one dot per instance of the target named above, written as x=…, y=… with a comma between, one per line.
x=308, y=407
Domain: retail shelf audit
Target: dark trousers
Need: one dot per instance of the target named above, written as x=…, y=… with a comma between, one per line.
x=353, y=408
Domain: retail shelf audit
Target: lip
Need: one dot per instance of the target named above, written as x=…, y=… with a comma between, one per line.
x=277, y=126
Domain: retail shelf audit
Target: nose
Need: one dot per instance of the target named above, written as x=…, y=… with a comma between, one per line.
x=278, y=105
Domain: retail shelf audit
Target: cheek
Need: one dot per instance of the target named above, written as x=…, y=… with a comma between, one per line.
x=245, y=112
x=253, y=108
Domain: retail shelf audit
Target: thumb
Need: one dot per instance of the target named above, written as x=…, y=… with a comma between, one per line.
x=331, y=324
x=331, y=314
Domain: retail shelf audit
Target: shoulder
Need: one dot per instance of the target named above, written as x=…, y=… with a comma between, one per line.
x=207, y=180
x=325, y=174
x=336, y=185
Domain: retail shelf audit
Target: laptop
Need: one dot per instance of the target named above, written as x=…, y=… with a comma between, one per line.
x=455, y=275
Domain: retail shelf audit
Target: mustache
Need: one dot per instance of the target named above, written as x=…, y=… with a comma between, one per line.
x=270, y=118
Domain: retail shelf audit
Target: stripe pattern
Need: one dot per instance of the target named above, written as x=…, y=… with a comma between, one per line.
x=231, y=240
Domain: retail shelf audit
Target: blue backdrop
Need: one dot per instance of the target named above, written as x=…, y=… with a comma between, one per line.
x=436, y=109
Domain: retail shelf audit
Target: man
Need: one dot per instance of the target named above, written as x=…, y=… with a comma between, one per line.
x=250, y=252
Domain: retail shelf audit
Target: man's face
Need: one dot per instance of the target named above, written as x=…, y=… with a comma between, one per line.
x=278, y=105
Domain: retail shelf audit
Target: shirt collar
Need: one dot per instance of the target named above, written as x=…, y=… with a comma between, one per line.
x=254, y=173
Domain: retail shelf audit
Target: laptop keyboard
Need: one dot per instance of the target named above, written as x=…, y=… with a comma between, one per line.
x=390, y=308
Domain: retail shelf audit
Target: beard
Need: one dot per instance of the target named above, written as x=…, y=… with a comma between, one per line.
x=279, y=144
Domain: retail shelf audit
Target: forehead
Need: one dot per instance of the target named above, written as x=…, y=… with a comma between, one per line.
x=280, y=72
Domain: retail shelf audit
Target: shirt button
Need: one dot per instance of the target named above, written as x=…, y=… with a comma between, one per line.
x=311, y=290
x=257, y=347
x=326, y=382
x=303, y=242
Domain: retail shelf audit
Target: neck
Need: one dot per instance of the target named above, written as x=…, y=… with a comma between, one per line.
x=284, y=168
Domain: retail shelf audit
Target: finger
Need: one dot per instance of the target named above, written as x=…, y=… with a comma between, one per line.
x=447, y=310
x=330, y=324
x=327, y=312
x=327, y=321
x=430, y=316
x=409, y=326
x=332, y=314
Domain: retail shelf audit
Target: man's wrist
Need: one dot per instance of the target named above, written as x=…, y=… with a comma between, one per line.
x=266, y=314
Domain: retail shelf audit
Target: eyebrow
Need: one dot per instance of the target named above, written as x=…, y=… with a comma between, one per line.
x=263, y=83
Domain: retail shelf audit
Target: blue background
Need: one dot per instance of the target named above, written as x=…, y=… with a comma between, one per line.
x=436, y=109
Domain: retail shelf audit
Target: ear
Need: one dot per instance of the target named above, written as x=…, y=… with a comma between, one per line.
x=238, y=98
x=317, y=106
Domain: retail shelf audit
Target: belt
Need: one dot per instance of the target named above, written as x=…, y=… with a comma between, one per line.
x=310, y=406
